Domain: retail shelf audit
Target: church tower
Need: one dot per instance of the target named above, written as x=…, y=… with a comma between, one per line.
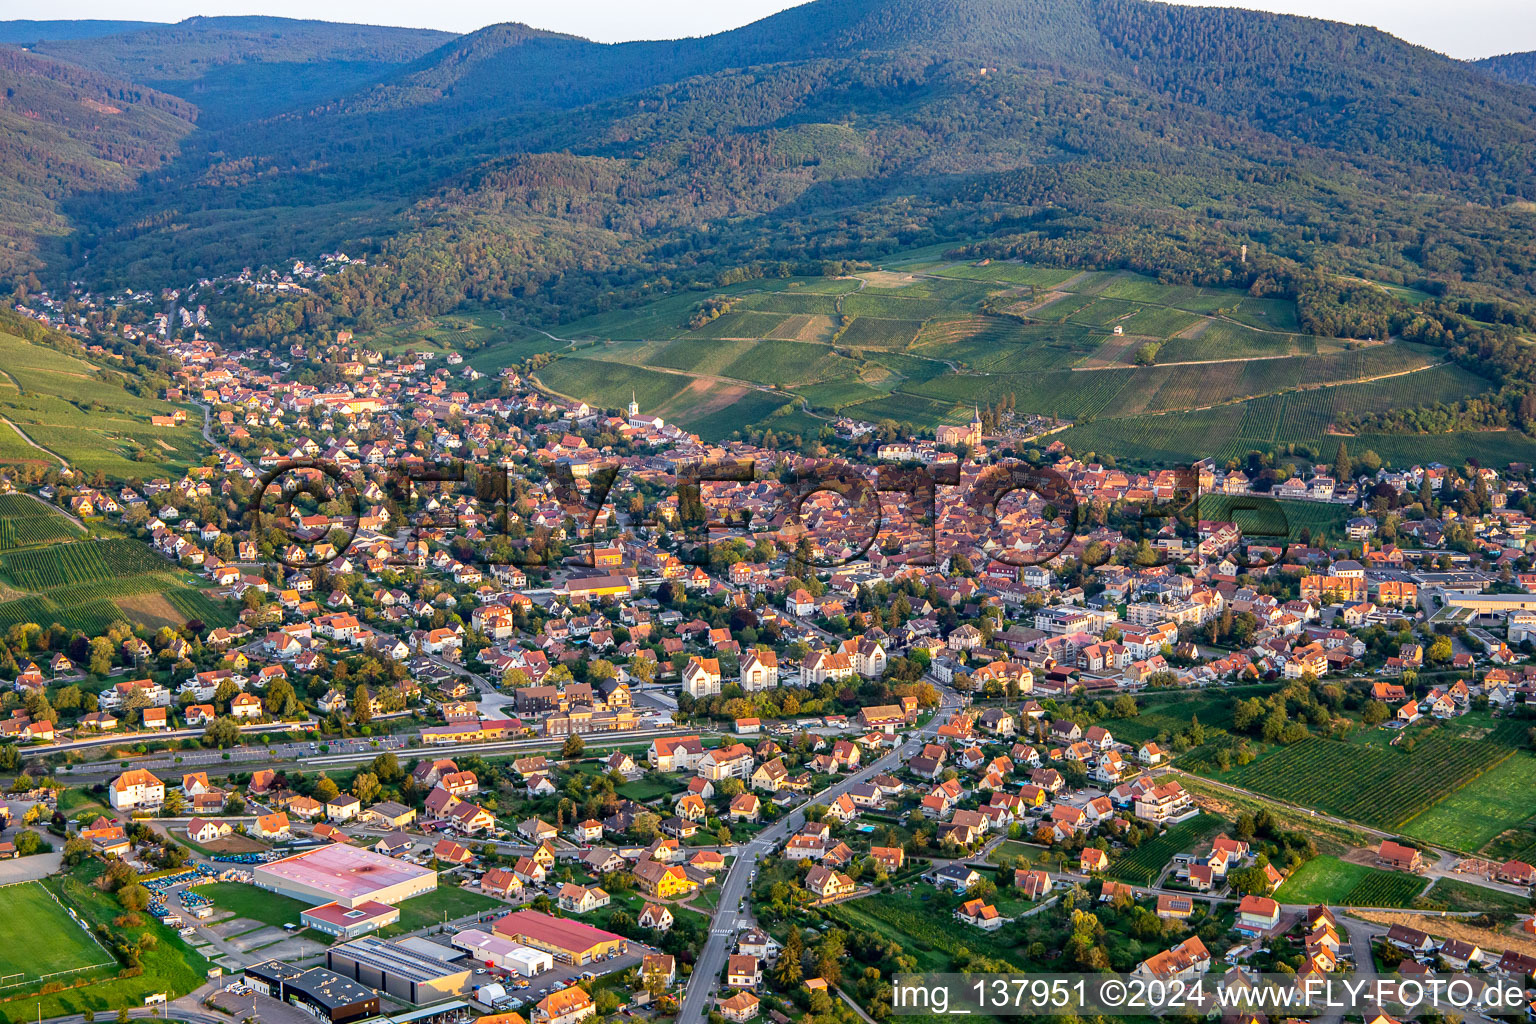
x=634, y=406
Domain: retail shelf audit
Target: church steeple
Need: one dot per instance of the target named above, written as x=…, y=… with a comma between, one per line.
x=634, y=406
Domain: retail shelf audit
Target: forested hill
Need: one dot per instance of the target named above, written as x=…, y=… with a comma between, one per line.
x=544, y=171
x=1517, y=67
x=28, y=33
x=240, y=68
x=69, y=130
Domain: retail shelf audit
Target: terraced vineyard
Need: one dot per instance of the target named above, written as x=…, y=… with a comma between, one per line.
x=1381, y=787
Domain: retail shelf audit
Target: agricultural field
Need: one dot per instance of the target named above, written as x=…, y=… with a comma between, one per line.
x=90, y=584
x=1319, y=519
x=920, y=341
x=1454, y=894
x=25, y=522
x=81, y=562
x=38, y=938
x=1171, y=712
x=1477, y=813
x=81, y=413
x=1334, y=881
x=924, y=931
x=1381, y=787
x=1142, y=865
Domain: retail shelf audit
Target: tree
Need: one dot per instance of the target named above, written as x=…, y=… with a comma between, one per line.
x=1343, y=469
x=100, y=662
x=787, y=972
x=222, y=732
x=326, y=789
x=362, y=705
x=366, y=787
x=133, y=897
x=387, y=767
x=572, y=748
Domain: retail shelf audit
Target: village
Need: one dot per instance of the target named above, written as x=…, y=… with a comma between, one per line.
x=586, y=741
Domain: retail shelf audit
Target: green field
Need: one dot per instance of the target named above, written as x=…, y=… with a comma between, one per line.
x=925, y=932
x=169, y=964
x=1474, y=815
x=1454, y=894
x=89, y=584
x=1320, y=519
x=1382, y=787
x=430, y=907
x=82, y=562
x=1142, y=865
x=1333, y=881
x=252, y=903
x=82, y=413
x=39, y=938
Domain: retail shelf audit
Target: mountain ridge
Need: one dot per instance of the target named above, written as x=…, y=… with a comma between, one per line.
x=514, y=165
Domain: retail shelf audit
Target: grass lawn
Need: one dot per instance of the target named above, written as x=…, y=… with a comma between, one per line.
x=1478, y=812
x=1330, y=880
x=1009, y=851
x=645, y=789
x=37, y=937
x=1322, y=880
x=429, y=908
x=252, y=903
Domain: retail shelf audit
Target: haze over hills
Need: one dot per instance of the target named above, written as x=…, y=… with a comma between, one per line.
x=517, y=166
x=1518, y=67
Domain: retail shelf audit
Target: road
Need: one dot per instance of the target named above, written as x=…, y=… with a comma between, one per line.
x=706, y=979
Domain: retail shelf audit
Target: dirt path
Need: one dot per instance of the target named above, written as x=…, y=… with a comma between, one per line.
x=1284, y=391
x=23, y=435
x=1191, y=362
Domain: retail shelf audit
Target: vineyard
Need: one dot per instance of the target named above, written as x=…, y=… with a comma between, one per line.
x=1142, y=865
x=1380, y=787
x=1036, y=338
x=25, y=522
x=1385, y=889
x=81, y=562
x=1335, y=881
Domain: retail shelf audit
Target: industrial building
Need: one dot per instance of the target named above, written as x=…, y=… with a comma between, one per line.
x=317, y=991
x=350, y=922
x=398, y=971
x=496, y=951
x=570, y=942
x=347, y=875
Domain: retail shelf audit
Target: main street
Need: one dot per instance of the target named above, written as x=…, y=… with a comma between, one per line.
x=728, y=918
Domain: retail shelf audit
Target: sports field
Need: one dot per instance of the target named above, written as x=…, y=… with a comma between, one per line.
x=39, y=938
